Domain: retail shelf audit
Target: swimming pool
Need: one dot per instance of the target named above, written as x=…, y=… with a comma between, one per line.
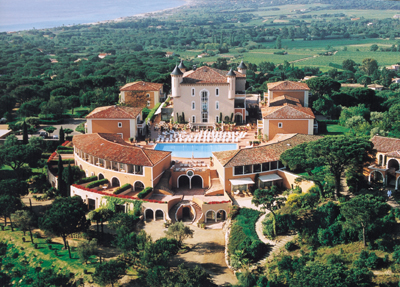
x=198, y=150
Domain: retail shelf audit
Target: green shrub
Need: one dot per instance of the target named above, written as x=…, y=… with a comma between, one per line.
x=123, y=188
x=80, y=128
x=244, y=237
x=290, y=246
x=284, y=223
x=150, y=116
x=87, y=179
x=369, y=260
x=97, y=183
x=145, y=192
x=65, y=151
x=60, y=147
x=396, y=255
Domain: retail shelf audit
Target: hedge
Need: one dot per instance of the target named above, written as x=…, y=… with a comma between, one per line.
x=65, y=147
x=97, y=183
x=150, y=116
x=86, y=179
x=65, y=151
x=329, y=122
x=65, y=161
x=46, y=155
x=51, y=122
x=145, y=192
x=244, y=237
x=123, y=188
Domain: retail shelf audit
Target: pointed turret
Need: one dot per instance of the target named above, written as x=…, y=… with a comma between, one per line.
x=182, y=67
x=242, y=68
x=231, y=79
x=176, y=79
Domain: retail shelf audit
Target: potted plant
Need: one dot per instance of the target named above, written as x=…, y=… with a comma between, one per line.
x=131, y=140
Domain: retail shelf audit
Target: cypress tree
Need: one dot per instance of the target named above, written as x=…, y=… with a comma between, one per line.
x=61, y=136
x=60, y=185
x=25, y=133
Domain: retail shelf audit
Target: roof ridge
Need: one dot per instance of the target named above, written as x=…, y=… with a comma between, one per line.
x=237, y=151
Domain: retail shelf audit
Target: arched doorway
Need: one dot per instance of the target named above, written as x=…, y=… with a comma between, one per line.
x=80, y=167
x=101, y=176
x=139, y=186
x=238, y=118
x=115, y=182
x=221, y=215
x=197, y=181
x=187, y=214
x=183, y=181
x=149, y=214
x=210, y=216
x=159, y=214
x=376, y=177
x=393, y=166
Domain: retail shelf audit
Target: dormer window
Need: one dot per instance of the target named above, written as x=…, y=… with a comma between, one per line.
x=120, y=125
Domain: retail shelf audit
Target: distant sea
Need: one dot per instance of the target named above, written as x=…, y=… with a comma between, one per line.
x=16, y=15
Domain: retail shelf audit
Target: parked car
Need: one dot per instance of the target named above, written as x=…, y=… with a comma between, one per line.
x=43, y=134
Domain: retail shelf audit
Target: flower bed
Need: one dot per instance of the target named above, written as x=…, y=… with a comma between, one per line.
x=217, y=202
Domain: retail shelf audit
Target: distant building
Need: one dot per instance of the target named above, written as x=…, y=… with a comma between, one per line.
x=169, y=54
x=142, y=94
x=121, y=120
x=103, y=55
x=204, y=94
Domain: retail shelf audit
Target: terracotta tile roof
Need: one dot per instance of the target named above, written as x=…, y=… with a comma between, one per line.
x=207, y=75
x=261, y=154
x=113, y=147
x=287, y=111
x=141, y=86
x=287, y=85
x=285, y=99
x=385, y=144
x=114, y=112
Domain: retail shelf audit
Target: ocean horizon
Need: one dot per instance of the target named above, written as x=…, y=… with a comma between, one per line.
x=20, y=15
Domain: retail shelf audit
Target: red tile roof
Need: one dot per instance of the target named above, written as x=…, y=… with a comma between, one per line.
x=287, y=85
x=114, y=112
x=141, y=86
x=384, y=144
x=112, y=147
x=261, y=154
x=207, y=75
x=287, y=111
x=285, y=99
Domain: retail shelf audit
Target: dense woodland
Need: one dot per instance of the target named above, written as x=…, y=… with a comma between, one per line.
x=330, y=249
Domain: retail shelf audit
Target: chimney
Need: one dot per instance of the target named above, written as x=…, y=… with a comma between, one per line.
x=194, y=67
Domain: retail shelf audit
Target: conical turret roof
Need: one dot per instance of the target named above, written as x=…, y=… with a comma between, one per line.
x=177, y=72
x=231, y=73
x=242, y=65
x=182, y=66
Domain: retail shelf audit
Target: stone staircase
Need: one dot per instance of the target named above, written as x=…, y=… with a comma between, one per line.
x=199, y=212
x=163, y=185
x=215, y=186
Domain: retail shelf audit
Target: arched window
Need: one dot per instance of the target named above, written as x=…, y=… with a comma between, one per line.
x=217, y=119
x=193, y=119
x=193, y=105
x=217, y=105
x=139, y=186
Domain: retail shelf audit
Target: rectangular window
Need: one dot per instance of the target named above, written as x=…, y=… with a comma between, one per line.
x=280, y=125
x=280, y=164
x=193, y=105
x=274, y=165
x=257, y=168
x=238, y=170
x=193, y=119
x=217, y=92
x=138, y=169
x=248, y=169
x=205, y=117
x=192, y=92
x=239, y=187
x=217, y=119
x=265, y=166
x=120, y=125
x=217, y=105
